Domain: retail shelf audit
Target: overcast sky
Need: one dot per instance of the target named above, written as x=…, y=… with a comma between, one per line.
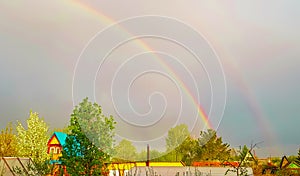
x=151, y=83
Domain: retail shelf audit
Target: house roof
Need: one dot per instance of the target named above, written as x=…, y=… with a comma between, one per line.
x=284, y=162
x=61, y=137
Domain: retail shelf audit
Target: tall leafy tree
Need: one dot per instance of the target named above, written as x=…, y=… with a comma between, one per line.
x=98, y=127
x=125, y=151
x=176, y=136
x=188, y=150
x=32, y=142
x=8, y=142
x=211, y=147
x=84, y=152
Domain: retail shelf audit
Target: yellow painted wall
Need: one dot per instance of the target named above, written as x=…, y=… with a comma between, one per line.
x=160, y=164
x=128, y=166
x=54, y=140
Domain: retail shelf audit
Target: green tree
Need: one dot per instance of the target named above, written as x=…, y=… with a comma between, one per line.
x=8, y=142
x=142, y=156
x=125, y=151
x=167, y=156
x=233, y=154
x=34, y=169
x=32, y=142
x=188, y=150
x=83, y=155
x=176, y=136
x=155, y=155
x=211, y=147
x=95, y=125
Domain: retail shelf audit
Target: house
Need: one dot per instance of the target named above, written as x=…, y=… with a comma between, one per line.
x=55, y=145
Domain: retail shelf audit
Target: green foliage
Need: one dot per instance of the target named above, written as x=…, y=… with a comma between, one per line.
x=33, y=141
x=35, y=169
x=80, y=156
x=142, y=156
x=292, y=158
x=233, y=155
x=125, y=151
x=95, y=125
x=167, y=156
x=188, y=150
x=276, y=161
x=287, y=172
x=83, y=155
x=181, y=146
x=176, y=136
x=155, y=155
x=8, y=142
x=211, y=147
x=244, y=156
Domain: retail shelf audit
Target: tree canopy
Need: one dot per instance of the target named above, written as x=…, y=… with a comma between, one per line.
x=95, y=125
x=32, y=142
x=85, y=155
x=188, y=149
x=8, y=142
x=211, y=147
x=125, y=151
x=176, y=136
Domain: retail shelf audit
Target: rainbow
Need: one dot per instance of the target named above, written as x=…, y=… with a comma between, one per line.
x=255, y=108
x=248, y=95
x=108, y=20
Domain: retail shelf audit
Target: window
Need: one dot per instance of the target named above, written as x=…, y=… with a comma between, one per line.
x=52, y=149
x=58, y=150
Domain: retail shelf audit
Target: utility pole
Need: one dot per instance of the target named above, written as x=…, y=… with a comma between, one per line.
x=148, y=156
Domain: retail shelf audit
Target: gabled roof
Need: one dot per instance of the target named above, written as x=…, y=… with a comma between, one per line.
x=61, y=137
x=284, y=162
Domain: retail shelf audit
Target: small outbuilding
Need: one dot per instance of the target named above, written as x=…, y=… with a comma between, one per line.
x=55, y=145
